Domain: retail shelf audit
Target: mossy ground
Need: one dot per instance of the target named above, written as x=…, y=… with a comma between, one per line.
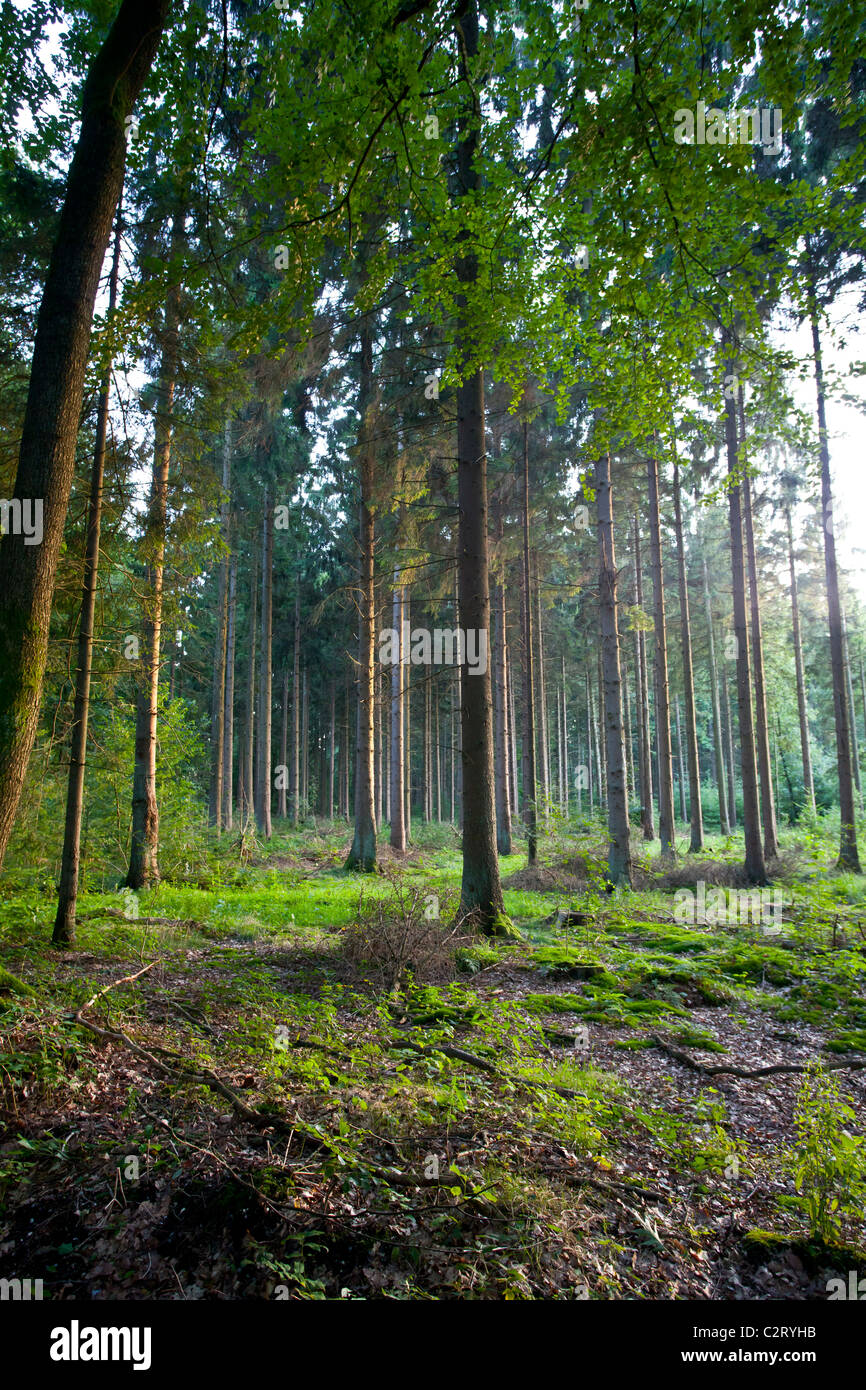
x=515, y=1131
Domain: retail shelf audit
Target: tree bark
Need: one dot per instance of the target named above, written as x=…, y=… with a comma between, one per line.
x=247, y=797
x=229, y=715
x=263, y=808
x=530, y=818
x=663, y=725
x=762, y=730
x=217, y=731
x=805, y=750
x=754, y=859
x=362, y=855
x=144, y=847
x=696, y=823
x=67, y=893
x=619, y=854
x=46, y=456
x=500, y=651
x=718, y=742
x=642, y=696
x=398, y=800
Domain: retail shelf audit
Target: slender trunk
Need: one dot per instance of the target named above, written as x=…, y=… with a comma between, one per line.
x=762, y=730
x=808, y=780
x=295, y=778
x=229, y=713
x=438, y=737
x=46, y=455
x=529, y=793
x=696, y=821
x=754, y=860
x=144, y=847
x=282, y=799
x=503, y=803
x=398, y=803
x=512, y=742
x=362, y=855
x=855, y=754
x=619, y=854
x=247, y=775
x=218, y=699
x=331, y=749
x=848, y=855
x=681, y=766
x=67, y=892
x=543, y=760
x=663, y=726
x=642, y=696
x=724, y=821
x=731, y=759
x=266, y=670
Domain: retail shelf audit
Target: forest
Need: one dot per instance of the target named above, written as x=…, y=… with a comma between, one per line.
x=432, y=654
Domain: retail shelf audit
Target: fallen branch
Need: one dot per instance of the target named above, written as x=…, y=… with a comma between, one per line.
x=747, y=1074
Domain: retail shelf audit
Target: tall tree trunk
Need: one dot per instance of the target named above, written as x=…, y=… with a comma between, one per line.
x=512, y=742
x=218, y=706
x=263, y=814
x=681, y=766
x=282, y=799
x=229, y=715
x=530, y=819
x=67, y=892
x=642, y=696
x=46, y=455
x=438, y=738
x=729, y=748
x=296, y=712
x=362, y=855
x=619, y=854
x=144, y=847
x=500, y=653
x=762, y=730
x=481, y=892
x=331, y=749
x=696, y=821
x=543, y=759
x=754, y=861
x=398, y=800
x=855, y=755
x=724, y=822
x=248, y=778
x=808, y=780
x=564, y=793
x=848, y=855
x=663, y=724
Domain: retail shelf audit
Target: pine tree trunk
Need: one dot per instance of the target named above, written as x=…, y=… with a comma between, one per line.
x=663, y=725
x=512, y=743
x=762, y=730
x=848, y=855
x=263, y=815
x=144, y=848
x=67, y=892
x=855, y=754
x=398, y=800
x=247, y=798
x=754, y=860
x=282, y=799
x=681, y=766
x=229, y=714
x=642, y=696
x=46, y=455
x=529, y=792
x=295, y=777
x=696, y=822
x=218, y=696
x=724, y=821
x=808, y=780
x=565, y=767
x=362, y=855
x=543, y=760
x=729, y=752
x=331, y=751
x=500, y=654
x=619, y=854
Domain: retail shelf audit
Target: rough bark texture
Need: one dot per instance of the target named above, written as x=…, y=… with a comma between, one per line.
x=762, y=731
x=221, y=645
x=46, y=458
x=529, y=791
x=805, y=750
x=718, y=742
x=398, y=800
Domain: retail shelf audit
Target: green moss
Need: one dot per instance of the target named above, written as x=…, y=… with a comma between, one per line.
x=10, y=984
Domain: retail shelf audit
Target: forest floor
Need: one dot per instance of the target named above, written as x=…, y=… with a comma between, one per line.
x=295, y=1098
